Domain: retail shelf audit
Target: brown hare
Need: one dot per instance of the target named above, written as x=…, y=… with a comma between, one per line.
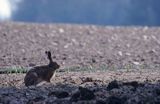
x=41, y=73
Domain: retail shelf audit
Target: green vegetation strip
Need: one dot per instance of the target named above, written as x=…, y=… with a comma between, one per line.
x=13, y=70
x=88, y=68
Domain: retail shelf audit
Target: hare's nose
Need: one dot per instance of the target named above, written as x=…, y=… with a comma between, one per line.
x=58, y=66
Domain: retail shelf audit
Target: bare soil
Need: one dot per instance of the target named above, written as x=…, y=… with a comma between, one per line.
x=23, y=44
x=133, y=54
x=109, y=87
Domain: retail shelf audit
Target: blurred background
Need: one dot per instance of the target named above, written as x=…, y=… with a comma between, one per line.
x=98, y=12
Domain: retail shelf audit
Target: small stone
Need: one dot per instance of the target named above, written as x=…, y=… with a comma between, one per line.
x=41, y=35
x=75, y=97
x=120, y=53
x=88, y=79
x=23, y=50
x=4, y=34
x=100, y=102
x=142, y=59
x=157, y=91
x=115, y=100
x=128, y=45
x=136, y=63
x=145, y=28
x=133, y=83
x=93, y=60
x=75, y=80
x=59, y=94
x=64, y=58
x=86, y=94
x=36, y=99
x=24, y=58
x=145, y=37
x=128, y=54
x=112, y=85
x=31, y=64
x=67, y=45
x=61, y=30
x=83, y=94
x=74, y=41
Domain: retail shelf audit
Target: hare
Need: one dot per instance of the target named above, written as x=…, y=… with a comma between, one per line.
x=41, y=73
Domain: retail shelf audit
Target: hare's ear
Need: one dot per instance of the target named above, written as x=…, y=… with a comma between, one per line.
x=49, y=56
x=46, y=52
x=49, y=53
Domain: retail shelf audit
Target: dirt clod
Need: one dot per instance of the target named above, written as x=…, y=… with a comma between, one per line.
x=112, y=85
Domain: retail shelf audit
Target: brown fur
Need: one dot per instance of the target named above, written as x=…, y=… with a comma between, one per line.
x=41, y=73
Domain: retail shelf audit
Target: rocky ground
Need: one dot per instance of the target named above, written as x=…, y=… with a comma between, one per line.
x=123, y=63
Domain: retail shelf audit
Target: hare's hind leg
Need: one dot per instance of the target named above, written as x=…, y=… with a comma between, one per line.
x=31, y=79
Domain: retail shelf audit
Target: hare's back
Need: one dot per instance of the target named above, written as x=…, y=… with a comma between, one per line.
x=41, y=71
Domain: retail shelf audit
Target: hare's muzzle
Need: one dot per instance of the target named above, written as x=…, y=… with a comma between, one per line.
x=57, y=66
